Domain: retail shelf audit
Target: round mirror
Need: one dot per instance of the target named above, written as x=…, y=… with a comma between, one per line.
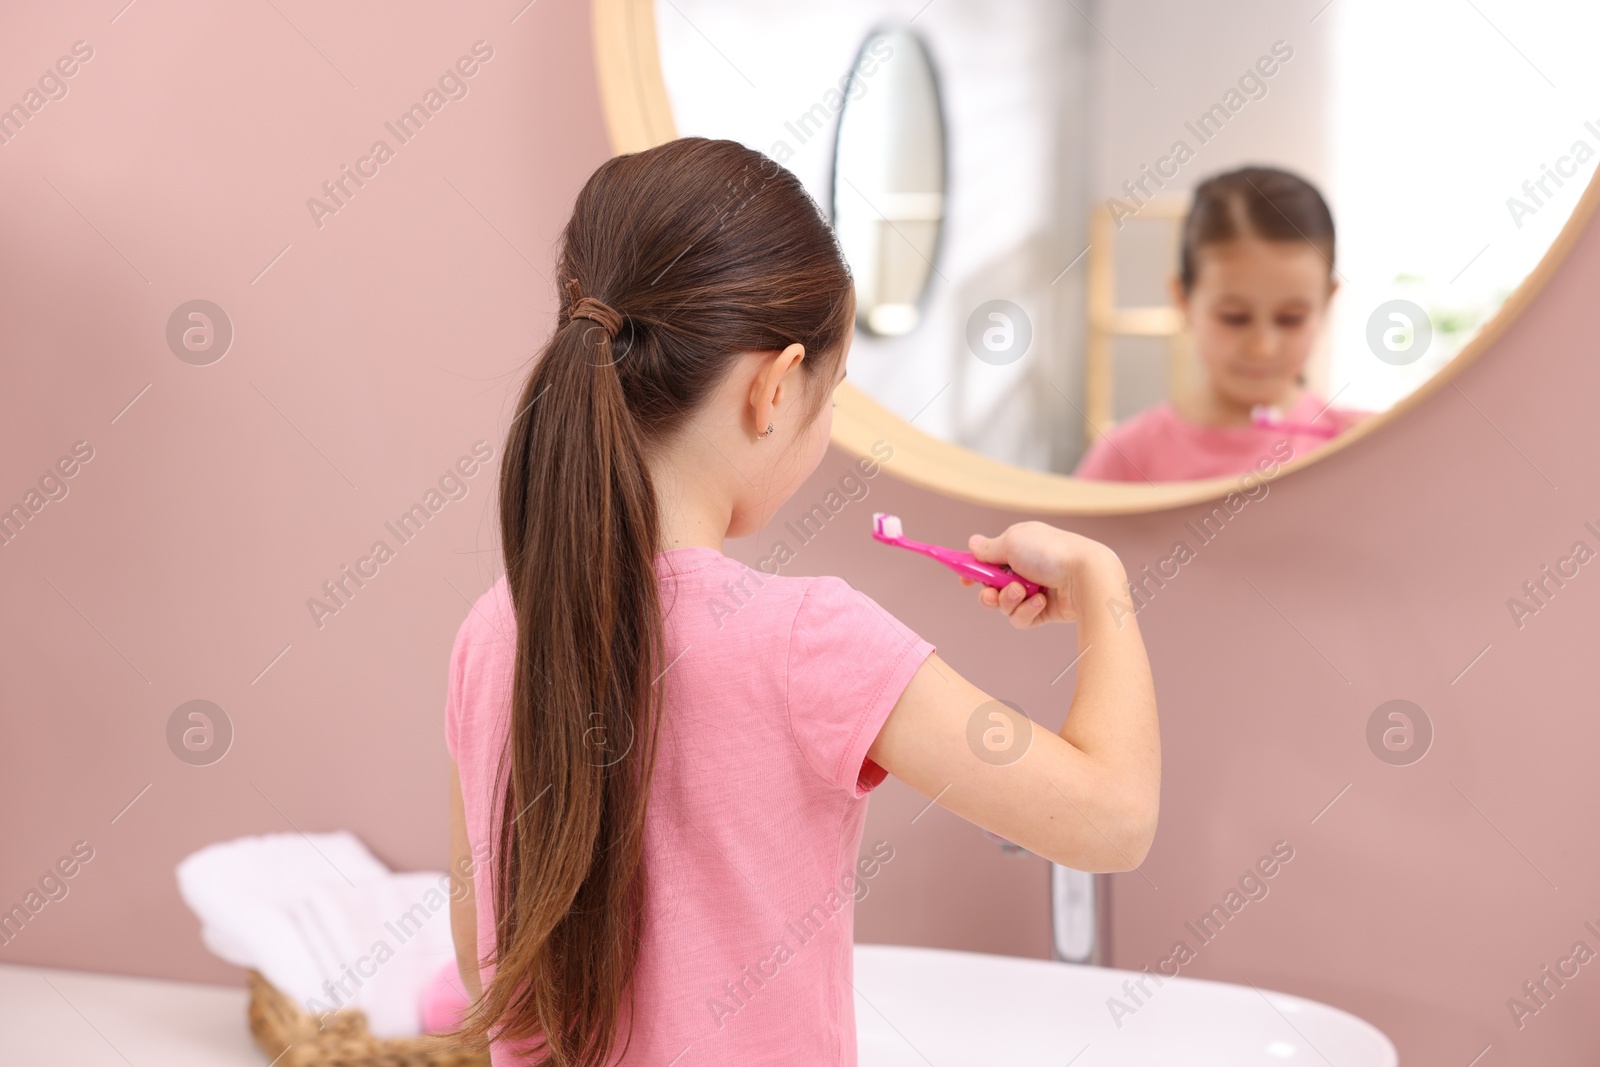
x=1115, y=258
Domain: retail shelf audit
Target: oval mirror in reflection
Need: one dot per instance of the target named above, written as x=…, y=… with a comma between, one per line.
x=888, y=179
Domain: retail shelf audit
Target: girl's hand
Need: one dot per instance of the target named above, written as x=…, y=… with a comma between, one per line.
x=1073, y=569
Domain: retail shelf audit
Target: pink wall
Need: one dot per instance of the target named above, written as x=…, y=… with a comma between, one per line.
x=366, y=360
x=380, y=347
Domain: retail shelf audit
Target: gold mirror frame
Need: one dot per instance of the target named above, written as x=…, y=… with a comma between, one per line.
x=638, y=115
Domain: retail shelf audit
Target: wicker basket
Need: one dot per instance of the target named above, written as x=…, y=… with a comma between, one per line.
x=292, y=1037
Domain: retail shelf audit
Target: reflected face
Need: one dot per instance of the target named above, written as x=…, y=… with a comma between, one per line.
x=1255, y=312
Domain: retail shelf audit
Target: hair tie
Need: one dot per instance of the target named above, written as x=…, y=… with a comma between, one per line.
x=597, y=311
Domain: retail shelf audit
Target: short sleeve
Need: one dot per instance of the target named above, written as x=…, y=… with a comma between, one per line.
x=1344, y=418
x=1103, y=463
x=848, y=661
x=453, y=690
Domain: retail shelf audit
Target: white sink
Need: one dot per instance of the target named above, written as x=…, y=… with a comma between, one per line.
x=919, y=1006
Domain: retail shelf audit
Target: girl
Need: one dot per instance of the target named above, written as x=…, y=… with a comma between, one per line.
x=657, y=806
x=1255, y=278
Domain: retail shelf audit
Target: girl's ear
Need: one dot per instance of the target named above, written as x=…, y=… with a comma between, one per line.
x=1180, y=299
x=773, y=391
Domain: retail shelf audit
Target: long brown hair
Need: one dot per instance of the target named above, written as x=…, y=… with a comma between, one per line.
x=698, y=250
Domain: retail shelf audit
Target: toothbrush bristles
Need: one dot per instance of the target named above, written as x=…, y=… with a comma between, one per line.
x=887, y=525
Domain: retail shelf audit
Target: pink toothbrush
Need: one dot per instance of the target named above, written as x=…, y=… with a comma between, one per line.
x=886, y=528
x=1269, y=417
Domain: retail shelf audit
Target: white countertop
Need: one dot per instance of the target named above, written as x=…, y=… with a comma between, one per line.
x=80, y=1019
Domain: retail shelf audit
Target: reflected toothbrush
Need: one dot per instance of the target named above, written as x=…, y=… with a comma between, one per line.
x=1268, y=417
x=887, y=528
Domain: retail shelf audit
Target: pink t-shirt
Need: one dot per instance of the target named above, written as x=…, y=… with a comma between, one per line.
x=1161, y=445
x=776, y=688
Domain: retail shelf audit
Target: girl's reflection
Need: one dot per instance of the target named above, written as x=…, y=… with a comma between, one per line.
x=1255, y=278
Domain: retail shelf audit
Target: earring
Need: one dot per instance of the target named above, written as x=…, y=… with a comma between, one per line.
x=763, y=436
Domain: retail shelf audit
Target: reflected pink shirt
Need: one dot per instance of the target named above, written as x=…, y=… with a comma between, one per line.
x=777, y=687
x=1161, y=445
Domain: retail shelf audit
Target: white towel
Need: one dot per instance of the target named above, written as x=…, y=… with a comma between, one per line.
x=324, y=921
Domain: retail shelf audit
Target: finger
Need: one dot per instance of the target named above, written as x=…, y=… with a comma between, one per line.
x=1030, y=610
x=987, y=549
x=989, y=597
x=1026, y=613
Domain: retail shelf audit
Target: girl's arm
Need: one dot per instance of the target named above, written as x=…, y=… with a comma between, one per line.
x=1086, y=798
x=463, y=902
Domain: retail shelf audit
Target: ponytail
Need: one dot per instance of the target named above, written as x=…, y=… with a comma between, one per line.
x=663, y=286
